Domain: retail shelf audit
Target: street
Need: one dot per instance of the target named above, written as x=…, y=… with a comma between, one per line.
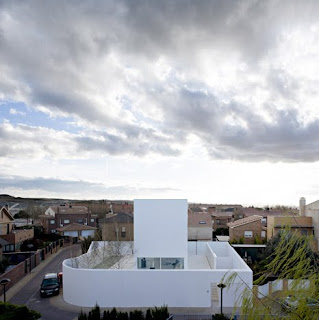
x=51, y=308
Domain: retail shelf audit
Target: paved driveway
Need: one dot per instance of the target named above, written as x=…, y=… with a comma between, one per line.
x=51, y=308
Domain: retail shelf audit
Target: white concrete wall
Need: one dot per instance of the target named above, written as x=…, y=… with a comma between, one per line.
x=148, y=288
x=160, y=228
x=200, y=233
x=211, y=256
x=312, y=210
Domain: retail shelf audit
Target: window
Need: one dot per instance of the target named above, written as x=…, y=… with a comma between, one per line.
x=202, y=222
x=263, y=234
x=148, y=263
x=66, y=221
x=218, y=222
x=304, y=232
x=92, y=220
x=52, y=221
x=160, y=263
x=123, y=232
x=172, y=263
x=248, y=234
x=80, y=220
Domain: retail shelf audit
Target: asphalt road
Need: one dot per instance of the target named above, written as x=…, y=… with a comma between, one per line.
x=51, y=308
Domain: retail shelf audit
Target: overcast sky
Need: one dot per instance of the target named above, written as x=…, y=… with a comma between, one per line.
x=213, y=101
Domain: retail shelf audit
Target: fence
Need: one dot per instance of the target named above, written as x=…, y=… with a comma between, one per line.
x=279, y=285
x=190, y=317
x=23, y=268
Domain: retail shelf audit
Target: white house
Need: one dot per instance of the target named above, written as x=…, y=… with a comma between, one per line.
x=160, y=268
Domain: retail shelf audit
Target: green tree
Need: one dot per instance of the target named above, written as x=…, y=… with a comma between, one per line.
x=10, y=311
x=291, y=256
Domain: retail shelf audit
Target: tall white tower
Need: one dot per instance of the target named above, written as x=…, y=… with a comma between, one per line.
x=302, y=207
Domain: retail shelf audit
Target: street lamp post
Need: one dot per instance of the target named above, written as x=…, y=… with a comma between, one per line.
x=4, y=282
x=221, y=286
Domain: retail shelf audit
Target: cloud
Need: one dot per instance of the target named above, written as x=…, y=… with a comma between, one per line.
x=41, y=142
x=69, y=187
x=16, y=112
x=142, y=77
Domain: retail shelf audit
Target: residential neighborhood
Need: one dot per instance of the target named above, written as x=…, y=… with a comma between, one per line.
x=159, y=160
x=70, y=223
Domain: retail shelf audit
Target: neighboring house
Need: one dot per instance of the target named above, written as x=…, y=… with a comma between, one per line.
x=60, y=216
x=224, y=208
x=6, y=221
x=247, y=230
x=311, y=210
x=265, y=213
x=301, y=225
x=199, y=226
x=12, y=239
x=76, y=230
x=121, y=207
x=221, y=219
x=121, y=274
x=117, y=226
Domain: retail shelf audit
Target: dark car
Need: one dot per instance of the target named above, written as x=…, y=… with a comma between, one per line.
x=50, y=285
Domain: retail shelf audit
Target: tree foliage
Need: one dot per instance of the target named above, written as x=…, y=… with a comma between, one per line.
x=156, y=313
x=288, y=256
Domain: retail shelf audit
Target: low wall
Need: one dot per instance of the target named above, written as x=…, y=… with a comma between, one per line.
x=148, y=288
x=211, y=257
x=23, y=268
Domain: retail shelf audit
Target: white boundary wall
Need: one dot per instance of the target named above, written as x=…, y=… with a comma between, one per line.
x=211, y=256
x=149, y=288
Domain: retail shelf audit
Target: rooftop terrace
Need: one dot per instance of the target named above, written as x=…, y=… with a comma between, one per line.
x=120, y=255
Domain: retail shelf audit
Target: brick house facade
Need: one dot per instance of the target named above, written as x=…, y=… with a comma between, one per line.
x=247, y=230
x=117, y=227
x=63, y=215
x=301, y=225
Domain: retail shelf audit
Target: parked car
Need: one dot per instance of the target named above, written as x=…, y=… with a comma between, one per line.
x=50, y=285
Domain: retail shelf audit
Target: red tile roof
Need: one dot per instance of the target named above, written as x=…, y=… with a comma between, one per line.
x=243, y=221
x=75, y=227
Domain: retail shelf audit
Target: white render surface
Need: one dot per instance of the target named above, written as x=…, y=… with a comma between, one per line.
x=108, y=276
x=160, y=228
x=312, y=210
x=200, y=233
x=131, y=287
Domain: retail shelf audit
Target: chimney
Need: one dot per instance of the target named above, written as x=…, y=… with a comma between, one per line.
x=302, y=207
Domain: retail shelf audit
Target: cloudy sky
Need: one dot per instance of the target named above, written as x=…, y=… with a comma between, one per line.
x=213, y=101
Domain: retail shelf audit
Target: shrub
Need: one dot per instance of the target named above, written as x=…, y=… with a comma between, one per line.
x=10, y=311
x=96, y=313
x=82, y=316
x=136, y=315
x=219, y=316
x=113, y=314
x=106, y=315
x=4, y=263
x=148, y=315
x=122, y=315
x=160, y=313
